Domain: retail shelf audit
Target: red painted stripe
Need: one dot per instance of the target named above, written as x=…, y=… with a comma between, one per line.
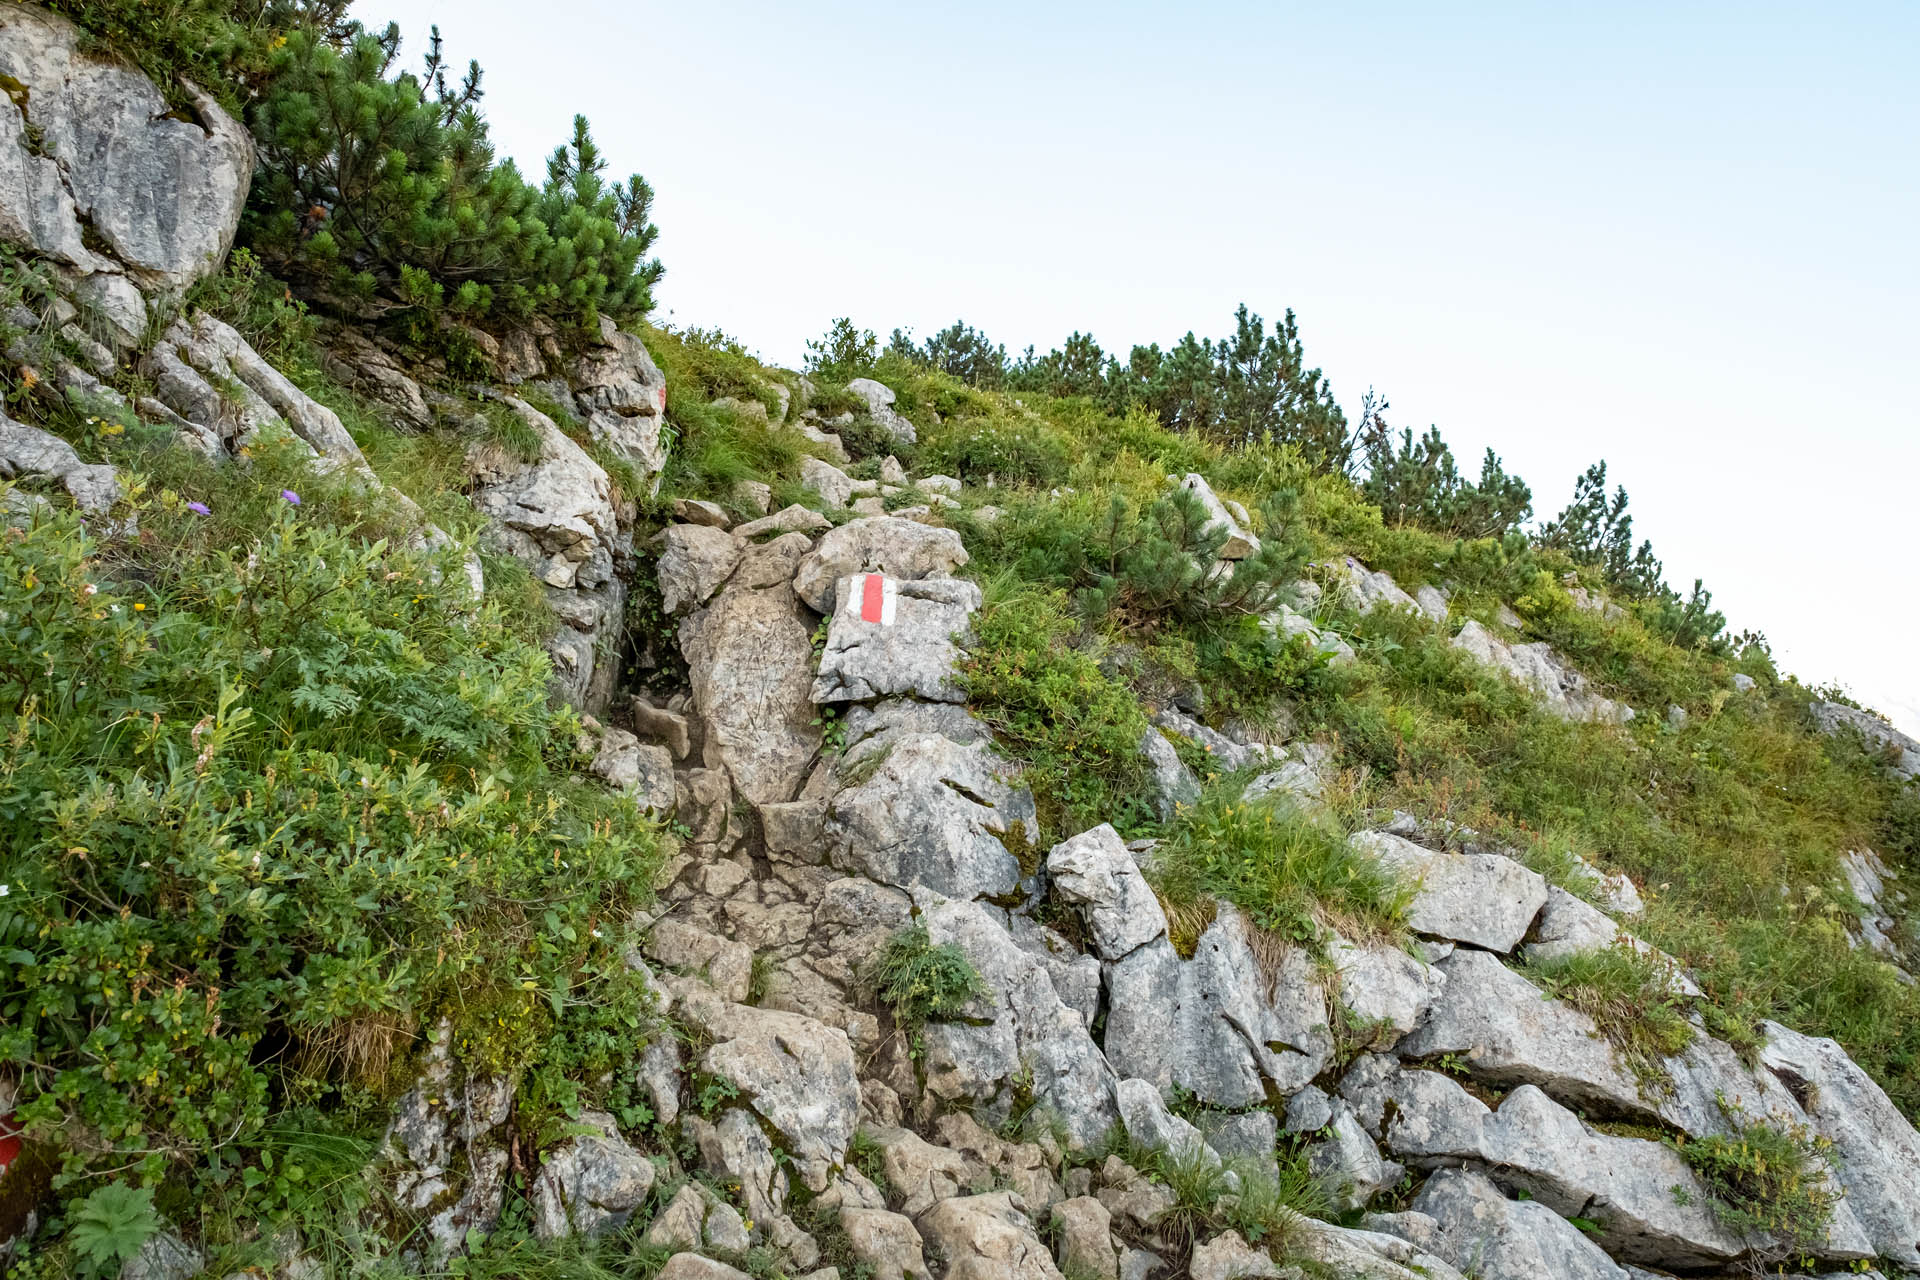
x=9, y=1143
x=873, y=597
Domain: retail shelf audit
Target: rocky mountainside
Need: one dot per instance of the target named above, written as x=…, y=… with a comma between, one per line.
x=956, y=836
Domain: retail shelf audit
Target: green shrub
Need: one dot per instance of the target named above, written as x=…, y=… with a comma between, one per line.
x=1075, y=728
x=1010, y=450
x=922, y=982
x=1766, y=1181
x=289, y=788
x=223, y=46
x=1289, y=869
x=385, y=185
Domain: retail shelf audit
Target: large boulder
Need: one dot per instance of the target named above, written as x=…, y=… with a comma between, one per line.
x=903, y=550
x=1902, y=751
x=1094, y=872
x=750, y=663
x=893, y=638
x=1384, y=989
x=1876, y=1151
x=927, y=812
x=1481, y=899
x=1217, y=1025
x=1021, y=1034
x=101, y=175
x=1370, y=588
x=1556, y=686
x=695, y=561
x=623, y=396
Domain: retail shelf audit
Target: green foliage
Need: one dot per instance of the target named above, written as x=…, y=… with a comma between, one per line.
x=959, y=350
x=1763, y=1180
x=1266, y=1210
x=1291, y=870
x=1597, y=529
x=1009, y=451
x=290, y=786
x=843, y=352
x=384, y=186
x=1632, y=998
x=1039, y=685
x=109, y=1226
x=922, y=982
x=1419, y=484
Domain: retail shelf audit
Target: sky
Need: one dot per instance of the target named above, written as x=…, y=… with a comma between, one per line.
x=1681, y=237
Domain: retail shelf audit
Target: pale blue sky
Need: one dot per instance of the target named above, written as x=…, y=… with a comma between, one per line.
x=1682, y=237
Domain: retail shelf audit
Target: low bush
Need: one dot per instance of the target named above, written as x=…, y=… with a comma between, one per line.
x=1037, y=682
x=1291, y=870
x=1764, y=1181
x=1000, y=450
x=922, y=982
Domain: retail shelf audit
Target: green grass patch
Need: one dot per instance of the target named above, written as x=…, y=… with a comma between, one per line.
x=1629, y=995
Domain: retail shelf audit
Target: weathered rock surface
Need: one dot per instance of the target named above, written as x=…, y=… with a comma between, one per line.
x=589, y=1183
x=1370, y=588
x=887, y=1242
x=1083, y=1231
x=910, y=650
x=1214, y=1025
x=1020, y=1029
x=641, y=769
x=1470, y=1223
x=750, y=663
x=695, y=561
x=900, y=549
x=1481, y=899
x=1558, y=688
x=1902, y=751
x=1173, y=784
x=113, y=165
x=623, y=396
x=879, y=400
x=27, y=452
x=988, y=1237
x=447, y=1149
x=1094, y=871
x=1239, y=542
x=1229, y=1257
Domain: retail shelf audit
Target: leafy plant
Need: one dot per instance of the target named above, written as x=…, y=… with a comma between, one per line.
x=922, y=982
x=109, y=1227
x=1764, y=1180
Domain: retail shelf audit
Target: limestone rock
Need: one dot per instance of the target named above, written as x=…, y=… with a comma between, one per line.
x=789, y=519
x=28, y=451
x=1229, y=1257
x=1559, y=688
x=691, y=1266
x=725, y=965
x=589, y=1183
x=1147, y=1121
x=1902, y=752
x=1094, y=871
x=695, y=561
x=1477, y=1228
x=1432, y=601
x=796, y=1073
x=750, y=663
x=1367, y=1255
x=753, y=495
x=1348, y=1165
x=697, y=511
x=1083, y=1234
x=911, y=649
x=918, y=1173
x=879, y=401
x=1214, y=1025
x=1384, y=988
x=901, y=549
x=161, y=196
x=1020, y=1029
x=1370, y=588
x=827, y=480
x=643, y=770
x=1482, y=899
x=1173, y=784
x=1240, y=543
x=163, y=1257
x=933, y=814
x=987, y=1237
x=447, y=1149
x=887, y=1242
x=623, y=396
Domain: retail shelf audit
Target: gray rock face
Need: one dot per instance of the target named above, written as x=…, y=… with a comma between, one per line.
x=1557, y=687
x=589, y=1183
x=1239, y=544
x=1479, y=1230
x=623, y=396
x=1368, y=1255
x=1230, y=754
x=901, y=549
x=447, y=1149
x=988, y=1237
x=644, y=770
x=695, y=561
x=1903, y=752
x=1229, y=1257
x=1284, y=621
x=1481, y=899
x=28, y=451
x=1147, y=1121
x=1021, y=1026
x=1094, y=871
x=1877, y=1153
x=1370, y=588
x=827, y=480
x=930, y=814
x=750, y=663
x=1432, y=601
x=879, y=400
x=164, y=1257
x=1172, y=782
x=1083, y=1230
x=691, y=1266
x=161, y=196
x=1348, y=1165
x=1385, y=988
x=1214, y=1025
x=911, y=649
x=1569, y=927
x=1870, y=881
x=887, y=1242
x=797, y=1074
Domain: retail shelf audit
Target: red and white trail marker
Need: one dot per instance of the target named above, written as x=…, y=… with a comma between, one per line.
x=879, y=597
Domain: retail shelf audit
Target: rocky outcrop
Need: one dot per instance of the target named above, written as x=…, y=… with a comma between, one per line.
x=1481, y=899
x=99, y=175
x=28, y=453
x=622, y=395
x=1901, y=751
x=1558, y=687
x=1239, y=543
x=590, y=1183
x=879, y=400
x=446, y=1149
x=902, y=550
x=890, y=638
x=1465, y=1219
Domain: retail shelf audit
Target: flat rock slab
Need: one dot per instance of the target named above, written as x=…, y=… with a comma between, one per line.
x=1481, y=899
x=890, y=637
x=903, y=550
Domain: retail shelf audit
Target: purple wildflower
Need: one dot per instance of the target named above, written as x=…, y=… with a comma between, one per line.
x=290, y=496
x=200, y=508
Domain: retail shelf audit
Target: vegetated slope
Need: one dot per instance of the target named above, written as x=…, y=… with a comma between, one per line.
x=282, y=798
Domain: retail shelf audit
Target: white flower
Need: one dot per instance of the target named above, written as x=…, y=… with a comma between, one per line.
x=4, y=891
x=596, y=932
